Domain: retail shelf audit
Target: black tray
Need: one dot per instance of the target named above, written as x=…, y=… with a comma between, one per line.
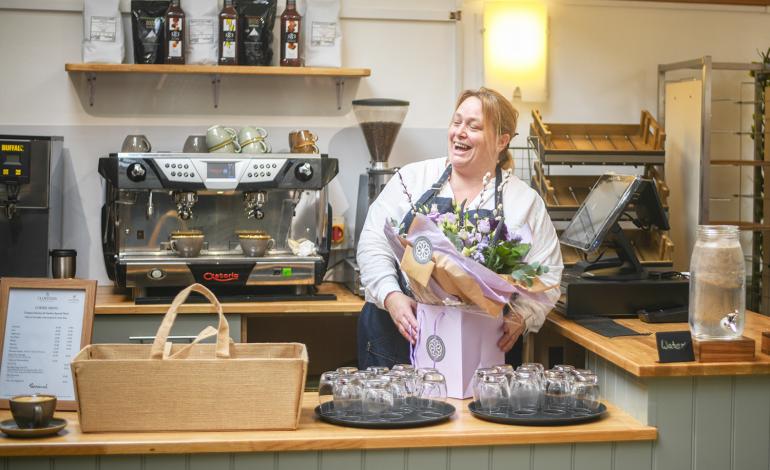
x=416, y=412
x=507, y=415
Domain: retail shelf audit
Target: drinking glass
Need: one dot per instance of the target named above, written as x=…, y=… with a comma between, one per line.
x=493, y=391
x=420, y=373
x=433, y=387
x=378, y=370
x=476, y=380
x=397, y=385
x=347, y=370
x=525, y=390
x=347, y=393
x=538, y=369
x=558, y=391
x=364, y=375
x=407, y=371
x=587, y=392
x=326, y=386
x=507, y=370
x=377, y=397
x=577, y=372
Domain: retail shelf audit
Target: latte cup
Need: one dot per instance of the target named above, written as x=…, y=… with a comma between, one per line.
x=220, y=139
x=187, y=243
x=255, y=243
x=32, y=411
x=253, y=140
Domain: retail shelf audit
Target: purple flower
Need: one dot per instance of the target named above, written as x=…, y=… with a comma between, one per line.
x=434, y=214
x=447, y=218
x=513, y=236
x=483, y=226
x=478, y=256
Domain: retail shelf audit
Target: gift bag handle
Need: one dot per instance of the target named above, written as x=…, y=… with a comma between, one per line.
x=223, y=329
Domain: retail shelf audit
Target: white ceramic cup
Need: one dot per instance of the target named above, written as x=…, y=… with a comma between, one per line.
x=220, y=139
x=253, y=140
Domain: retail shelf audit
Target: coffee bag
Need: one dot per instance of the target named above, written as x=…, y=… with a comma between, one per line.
x=147, y=18
x=103, y=41
x=257, y=18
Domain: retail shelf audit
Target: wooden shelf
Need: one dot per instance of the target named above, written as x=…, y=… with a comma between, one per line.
x=219, y=70
x=741, y=162
x=216, y=71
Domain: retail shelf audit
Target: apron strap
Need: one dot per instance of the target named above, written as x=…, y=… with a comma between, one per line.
x=428, y=196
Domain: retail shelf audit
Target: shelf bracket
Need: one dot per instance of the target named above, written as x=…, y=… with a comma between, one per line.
x=91, y=79
x=215, y=82
x=340, y=83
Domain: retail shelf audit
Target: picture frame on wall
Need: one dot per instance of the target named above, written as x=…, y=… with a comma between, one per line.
x=44, y=323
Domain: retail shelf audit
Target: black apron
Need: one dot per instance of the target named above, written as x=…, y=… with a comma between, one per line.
x=379, y=342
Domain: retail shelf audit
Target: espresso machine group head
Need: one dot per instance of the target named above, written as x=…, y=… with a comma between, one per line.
x=153, y=198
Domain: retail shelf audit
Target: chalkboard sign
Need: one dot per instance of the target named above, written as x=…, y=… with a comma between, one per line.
x=44, y=323
x=674, y=346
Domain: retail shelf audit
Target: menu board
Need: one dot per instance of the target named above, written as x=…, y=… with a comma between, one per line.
x=43, y=328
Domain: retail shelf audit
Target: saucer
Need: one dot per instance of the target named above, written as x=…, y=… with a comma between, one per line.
x=10, y=427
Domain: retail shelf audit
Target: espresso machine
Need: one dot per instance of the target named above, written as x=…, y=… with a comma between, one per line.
x=151, y=198
x=380, y=120
x=30, y=203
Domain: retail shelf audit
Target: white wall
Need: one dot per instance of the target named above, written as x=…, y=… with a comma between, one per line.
x=602, y=68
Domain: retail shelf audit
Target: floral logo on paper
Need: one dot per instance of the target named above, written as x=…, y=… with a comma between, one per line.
x=435, y=347
x=422, y=250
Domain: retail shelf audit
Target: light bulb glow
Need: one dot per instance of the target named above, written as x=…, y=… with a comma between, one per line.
x=515, y=48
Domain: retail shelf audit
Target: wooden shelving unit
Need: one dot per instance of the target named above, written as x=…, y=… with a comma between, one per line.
x=215, y=72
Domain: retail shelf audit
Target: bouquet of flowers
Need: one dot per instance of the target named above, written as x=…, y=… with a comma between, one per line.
x=460, y=257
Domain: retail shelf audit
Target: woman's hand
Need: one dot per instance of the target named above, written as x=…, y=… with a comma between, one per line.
x=401, y=308
x=513, y=327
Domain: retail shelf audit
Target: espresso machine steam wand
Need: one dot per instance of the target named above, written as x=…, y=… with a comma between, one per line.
x=185, y=200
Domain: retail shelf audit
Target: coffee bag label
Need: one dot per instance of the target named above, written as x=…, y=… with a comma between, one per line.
x=201, y=31
x=103, y=28
x=323, y=33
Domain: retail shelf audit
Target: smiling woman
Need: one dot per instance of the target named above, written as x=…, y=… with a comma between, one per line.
x=481, y=127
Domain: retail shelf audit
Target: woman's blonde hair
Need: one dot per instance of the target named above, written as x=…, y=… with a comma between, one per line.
x=500, y=117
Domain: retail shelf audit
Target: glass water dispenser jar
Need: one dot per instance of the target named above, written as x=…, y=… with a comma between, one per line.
x=717, y=284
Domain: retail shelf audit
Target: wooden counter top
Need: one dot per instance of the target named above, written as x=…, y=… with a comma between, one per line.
x=112, y=301
x=639, y=355
x=461, y=430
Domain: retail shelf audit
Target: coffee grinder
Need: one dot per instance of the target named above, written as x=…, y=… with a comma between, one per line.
x=380, y=120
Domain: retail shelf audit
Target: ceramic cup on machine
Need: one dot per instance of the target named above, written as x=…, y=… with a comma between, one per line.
x=195, y=144
x=187, y=243
x=135, y=144
x=253, y=140
x=255, y=243
x=303, y=141
x=220, y=139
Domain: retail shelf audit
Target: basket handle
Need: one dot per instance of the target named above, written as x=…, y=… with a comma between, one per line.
x=223, y=329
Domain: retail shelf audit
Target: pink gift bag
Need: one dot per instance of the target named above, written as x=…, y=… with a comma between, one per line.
x=457, y=341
